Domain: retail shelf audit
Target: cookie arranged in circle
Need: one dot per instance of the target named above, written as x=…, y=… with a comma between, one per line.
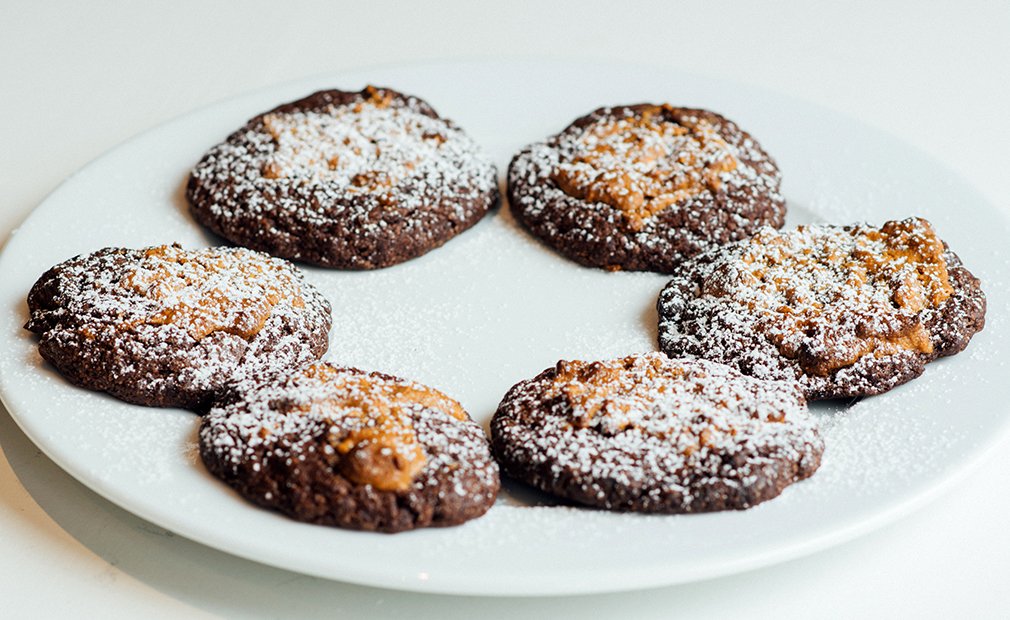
x=647, y=433
x=168, y=327
x=353, y=180
x=643, y=187
x=352, y=449
x=844, y=310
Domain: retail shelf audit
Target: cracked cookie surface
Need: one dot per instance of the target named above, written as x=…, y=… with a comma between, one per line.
x=643, y=187
x=647, y=433
x=845, y=310
x=168, y=327
x=351, y=180
x=347, y=448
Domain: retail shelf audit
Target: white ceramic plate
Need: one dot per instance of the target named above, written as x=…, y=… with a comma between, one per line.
x=493, y=307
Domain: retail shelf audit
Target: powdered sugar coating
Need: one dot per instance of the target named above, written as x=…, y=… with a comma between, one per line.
x=732, y=187
x=279, y=445
x=349, y=180
x=204, y=291
x=106, y=322
x=802, y=305
x=658, y=435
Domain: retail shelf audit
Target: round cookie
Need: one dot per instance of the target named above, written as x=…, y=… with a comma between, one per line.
x=342, y=447
x=643, y=187
x=647, y=433
x=167, y=327
x=353, y=180
x=845, y=311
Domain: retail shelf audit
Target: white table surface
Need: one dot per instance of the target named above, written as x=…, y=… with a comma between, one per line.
x=77, y=80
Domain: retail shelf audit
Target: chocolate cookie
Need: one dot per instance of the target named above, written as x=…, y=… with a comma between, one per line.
x=171, y=328
x=342, y=447
x=651, y=434
x=643, y=187
x=846, y=311
x=342, y=179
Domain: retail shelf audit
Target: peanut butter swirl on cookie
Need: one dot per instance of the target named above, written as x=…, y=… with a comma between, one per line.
x=643, y=164
x=652, y=434
x=340, y=446
x=644, y=187
x=854, y=306
x=379, y=447
x=169, y=327
x=205, y=291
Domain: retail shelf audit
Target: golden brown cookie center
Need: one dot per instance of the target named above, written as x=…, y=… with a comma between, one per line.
x=370, y=146
x=206, y=291
x=831, y=296
x=606, y=388
x=653, y=396
x=643, y=164
x=382, y=448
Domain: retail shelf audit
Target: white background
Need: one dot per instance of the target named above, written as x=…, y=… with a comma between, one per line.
x=77, y=80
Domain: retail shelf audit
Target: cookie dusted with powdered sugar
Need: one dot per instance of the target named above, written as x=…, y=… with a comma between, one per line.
x=651, y=434
x=353, y=180
x=643, y=187
x=845, y=311
x=168, y=327
x=353, y=449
